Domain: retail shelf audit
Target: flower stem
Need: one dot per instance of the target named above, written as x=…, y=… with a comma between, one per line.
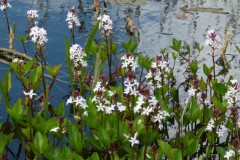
x=6, y=16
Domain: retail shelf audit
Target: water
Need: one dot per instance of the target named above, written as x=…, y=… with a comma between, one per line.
x=158, y=21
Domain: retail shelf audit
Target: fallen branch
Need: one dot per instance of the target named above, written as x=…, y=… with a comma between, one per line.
x=6, y=52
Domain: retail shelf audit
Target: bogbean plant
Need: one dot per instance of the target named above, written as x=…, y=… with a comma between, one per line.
x=136, y=111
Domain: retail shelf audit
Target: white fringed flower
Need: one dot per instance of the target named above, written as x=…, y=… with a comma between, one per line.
x=72, y=19
x=77, y=55
x=105, y=23
x=5, y=5
x=213, y=39
x=39, y=35
x=32, y=14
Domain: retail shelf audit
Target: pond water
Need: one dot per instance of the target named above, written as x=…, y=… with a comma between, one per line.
x=158, y=21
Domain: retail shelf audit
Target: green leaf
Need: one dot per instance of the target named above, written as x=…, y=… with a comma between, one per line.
x=7, y=82
x=95, y=156
x=199, y=48
x=28, y=66
x=203, y=84
x=176, y=45
x=40, y=143
x=75, y=138
x=39, y=123
x=5, y=95
x=52, y=153
x=69, y=62
x=220, y=88
x=194, y=67
x=60, y=111
x=103, y=135
x=53, y=70
x=165, y=147
x=36, y=77
x=207, y=71
x=4, y=141
x=91, y=38
x=178, y=155
x=97, y=71
x=175, y=56
x=238, y=49
x=16, y=112
x=188, y=48
x=130, y=46
x=221, y=151
x=194, y=110
x=218, y=104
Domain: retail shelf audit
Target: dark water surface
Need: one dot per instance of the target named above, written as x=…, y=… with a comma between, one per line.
x=158, y=22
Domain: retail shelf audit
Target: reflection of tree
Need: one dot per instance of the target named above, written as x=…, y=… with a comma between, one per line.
x=80, y=7
x=44, y=6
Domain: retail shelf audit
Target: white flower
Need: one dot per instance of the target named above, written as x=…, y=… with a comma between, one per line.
x=147, y=111
x=110, y=93
x=72, y=19
x=153, y=101
x=77, y=55
x=16, y=60
x=100, y=107
x=210, y=125
x=221, y=130
x=39, y=35
x=109, y=109
x=55, y=129
x=213, y=39
x=191, y=92
x=98, y=87
x=105, y=23
x=139, y=104
x=233, y=81
x=131, y=86
x=32, y=14
x=133, y=140
x=85, y=113
x=229, y=154
x=70, y=100
x=128, y=61
x=160, y=116
x=121, y=107
x=79, y=101
x=5, y=5
x=30, y=94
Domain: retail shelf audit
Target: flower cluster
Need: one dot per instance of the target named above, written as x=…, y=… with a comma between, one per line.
x=72, y=19
x=78, y=101
x=77, y=55
x=105, y=23
x=5, y=5
x=229, y=154
x=210, y=125
x=100, y=99
x=128, y=62
x=131, y=86
x=213, y=39
x=157, y=74
x=39, y=35
x=221, y=130
x=104, y=100
x=16, y=60
x=32, y=15
x=233, y=93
